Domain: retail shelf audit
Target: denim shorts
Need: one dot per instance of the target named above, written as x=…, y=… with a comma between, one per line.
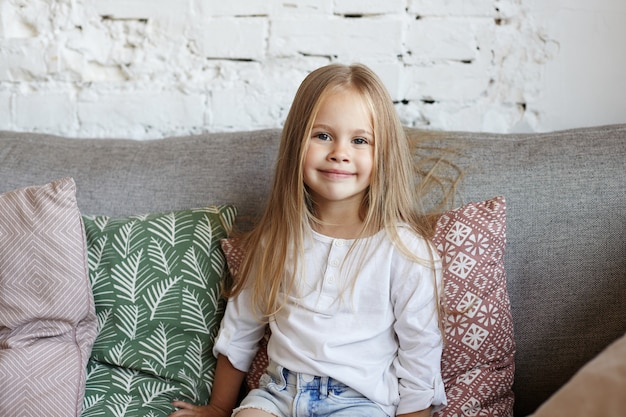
x=289, y=394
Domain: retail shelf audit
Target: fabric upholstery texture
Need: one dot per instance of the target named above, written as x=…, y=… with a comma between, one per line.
x=478, y=356
x=156, y=281
x=47, y=317
x=566, y=209
x=597, y=390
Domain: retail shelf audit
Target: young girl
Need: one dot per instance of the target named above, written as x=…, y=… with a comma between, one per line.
x=339, y=266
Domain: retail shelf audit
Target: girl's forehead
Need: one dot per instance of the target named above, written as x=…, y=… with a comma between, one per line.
x=342, y=91
x=344, y=100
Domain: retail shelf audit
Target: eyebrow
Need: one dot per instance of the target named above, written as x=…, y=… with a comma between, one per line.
x=356, y=132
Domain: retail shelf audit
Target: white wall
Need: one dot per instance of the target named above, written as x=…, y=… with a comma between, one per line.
x=151, y=68
x=585, y=82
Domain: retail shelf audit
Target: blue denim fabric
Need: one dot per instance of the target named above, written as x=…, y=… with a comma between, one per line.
x=288, y=394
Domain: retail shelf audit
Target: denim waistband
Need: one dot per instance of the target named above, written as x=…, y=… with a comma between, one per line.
x=308, y=382
x=302, y=394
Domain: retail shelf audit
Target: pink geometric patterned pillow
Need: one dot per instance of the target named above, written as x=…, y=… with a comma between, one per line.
x=477, y=362
x=478, y=357
x=48, y=321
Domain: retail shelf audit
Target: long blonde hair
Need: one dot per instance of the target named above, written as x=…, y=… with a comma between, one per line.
x=277, y=239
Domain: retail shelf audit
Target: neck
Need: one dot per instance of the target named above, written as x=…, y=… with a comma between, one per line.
x=339, y=231
x=339, y=221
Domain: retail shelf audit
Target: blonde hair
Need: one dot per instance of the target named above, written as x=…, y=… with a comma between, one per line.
x=277, y=240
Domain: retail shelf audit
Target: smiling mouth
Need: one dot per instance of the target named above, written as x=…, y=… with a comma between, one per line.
x=336, y=174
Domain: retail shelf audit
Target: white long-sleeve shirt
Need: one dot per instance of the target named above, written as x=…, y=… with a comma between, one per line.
x=379, y=336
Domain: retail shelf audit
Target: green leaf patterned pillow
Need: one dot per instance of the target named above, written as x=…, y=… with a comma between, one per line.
x=156, y=281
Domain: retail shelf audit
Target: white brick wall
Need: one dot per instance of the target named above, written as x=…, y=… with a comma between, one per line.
x=152, y=68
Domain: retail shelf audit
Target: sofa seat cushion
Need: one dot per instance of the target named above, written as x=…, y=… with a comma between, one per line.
x=47, y=317
x=596, y=390
x=156, y=281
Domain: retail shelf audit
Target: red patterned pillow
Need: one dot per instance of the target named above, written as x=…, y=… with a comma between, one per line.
x=477, y=362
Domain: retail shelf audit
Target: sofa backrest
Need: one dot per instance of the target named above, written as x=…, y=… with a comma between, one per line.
x=566, y=243
x=119, y=176
x=565, y=192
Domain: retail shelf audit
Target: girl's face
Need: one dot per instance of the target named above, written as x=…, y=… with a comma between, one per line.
x=340, y=154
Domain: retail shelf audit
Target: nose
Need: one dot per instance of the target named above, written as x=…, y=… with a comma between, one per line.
x=339, y=153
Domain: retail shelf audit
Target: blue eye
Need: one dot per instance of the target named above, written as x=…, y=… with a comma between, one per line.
x=322, y=136
x=360, y=141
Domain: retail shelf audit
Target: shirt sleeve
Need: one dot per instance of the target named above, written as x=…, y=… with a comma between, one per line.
x=240, y=332
x=415, y=290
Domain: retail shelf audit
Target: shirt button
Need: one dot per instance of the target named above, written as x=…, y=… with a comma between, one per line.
x=331, y=279
x=334, y=262
x=338, y=242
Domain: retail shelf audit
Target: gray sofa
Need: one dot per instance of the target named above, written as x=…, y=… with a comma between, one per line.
x=566, y=199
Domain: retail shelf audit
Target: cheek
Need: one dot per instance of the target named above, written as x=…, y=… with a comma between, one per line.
x=368, y=166
x=313, y=156
x=306, y=178
x=307, y=168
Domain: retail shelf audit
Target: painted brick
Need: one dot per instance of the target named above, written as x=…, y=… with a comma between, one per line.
x=25, y=19
x=346, y=39
x=452, y=7
x=432, y=39
x=141, y=112
x=218, y=8
x=52, y=111
x=151, y=68
x=280, y=80
x=88, y=44
x=247, y=87
x=166, y=17
x=76, y=65
x=366, y=7
x=141, y=9
x=447, y=82
x=23, y=60
x=508, y=10
x=300, y=7
x=249, y=108
x=391, y=76
x=13, y=25
x=479, y=117
x=235, y=38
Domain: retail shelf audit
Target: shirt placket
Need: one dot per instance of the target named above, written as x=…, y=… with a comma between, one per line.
x=334, y=262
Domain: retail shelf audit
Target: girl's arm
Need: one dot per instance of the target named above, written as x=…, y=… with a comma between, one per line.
x=225, y=392
x=415, y=292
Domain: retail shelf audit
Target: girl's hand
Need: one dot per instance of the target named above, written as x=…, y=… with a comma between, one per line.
x=223, y=397
x=190, y=410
